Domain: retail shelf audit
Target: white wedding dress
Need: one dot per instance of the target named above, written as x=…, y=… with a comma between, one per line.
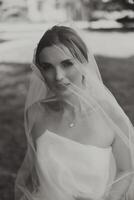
x=69, y=170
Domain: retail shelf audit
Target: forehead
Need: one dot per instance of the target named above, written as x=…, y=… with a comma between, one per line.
x=55, y=53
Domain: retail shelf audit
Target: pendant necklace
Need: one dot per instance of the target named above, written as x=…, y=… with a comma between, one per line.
x=71, y=125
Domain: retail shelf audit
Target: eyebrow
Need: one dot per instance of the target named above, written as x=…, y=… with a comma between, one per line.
x=45, y=63
x=64, y=61
x=67, y=60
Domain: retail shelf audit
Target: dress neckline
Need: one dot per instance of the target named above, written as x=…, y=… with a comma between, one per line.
x=47, y=133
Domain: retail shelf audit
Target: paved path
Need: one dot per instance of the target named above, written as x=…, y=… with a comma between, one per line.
x=22, y=39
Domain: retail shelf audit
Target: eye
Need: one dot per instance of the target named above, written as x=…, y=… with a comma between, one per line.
x=46, y=67
x=67, y=63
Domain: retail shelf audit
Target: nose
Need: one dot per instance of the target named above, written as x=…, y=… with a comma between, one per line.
x=59, y=74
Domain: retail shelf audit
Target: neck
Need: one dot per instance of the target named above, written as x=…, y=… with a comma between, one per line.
x=72, y=104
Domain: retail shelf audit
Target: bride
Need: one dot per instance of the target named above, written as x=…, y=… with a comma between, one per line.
x=80, y=142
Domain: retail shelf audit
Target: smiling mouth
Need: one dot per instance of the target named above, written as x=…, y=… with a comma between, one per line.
x=62, y=86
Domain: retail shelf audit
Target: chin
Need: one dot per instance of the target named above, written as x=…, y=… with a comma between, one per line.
x=64, y=94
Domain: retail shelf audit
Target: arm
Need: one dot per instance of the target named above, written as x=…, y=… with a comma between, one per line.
x=123, y=162
x=121, y=151
x=36, y=119
x=124, y=165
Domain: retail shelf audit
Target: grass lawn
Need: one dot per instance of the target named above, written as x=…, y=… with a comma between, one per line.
x=117, y=73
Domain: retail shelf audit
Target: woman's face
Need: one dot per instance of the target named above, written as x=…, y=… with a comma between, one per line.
x=59, y=69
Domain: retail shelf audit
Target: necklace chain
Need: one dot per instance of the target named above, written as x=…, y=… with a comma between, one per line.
x=71, y=125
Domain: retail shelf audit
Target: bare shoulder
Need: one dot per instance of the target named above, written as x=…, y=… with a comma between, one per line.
x=38, y=117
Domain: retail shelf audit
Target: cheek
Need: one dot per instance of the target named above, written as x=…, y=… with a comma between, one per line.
x=48, y=79
x=48, y=76
x=74, y=76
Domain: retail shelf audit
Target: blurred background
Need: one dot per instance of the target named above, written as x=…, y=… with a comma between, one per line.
x=108, y=27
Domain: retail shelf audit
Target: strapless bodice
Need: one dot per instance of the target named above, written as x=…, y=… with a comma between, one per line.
x=69, y=169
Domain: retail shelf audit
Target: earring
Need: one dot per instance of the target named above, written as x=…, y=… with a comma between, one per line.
x=83, y=79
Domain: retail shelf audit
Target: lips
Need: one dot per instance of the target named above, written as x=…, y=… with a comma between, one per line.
x=62, y=86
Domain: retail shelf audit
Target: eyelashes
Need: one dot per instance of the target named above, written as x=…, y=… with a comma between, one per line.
x=46, y=67
x=67, y=64
x=64, y=64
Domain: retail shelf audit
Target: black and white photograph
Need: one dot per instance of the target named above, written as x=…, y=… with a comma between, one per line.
x=66, y=100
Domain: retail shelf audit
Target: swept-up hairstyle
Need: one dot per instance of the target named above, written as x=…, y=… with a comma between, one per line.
x=66, y=36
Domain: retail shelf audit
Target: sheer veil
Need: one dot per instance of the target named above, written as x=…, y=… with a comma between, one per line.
x=95, y=99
